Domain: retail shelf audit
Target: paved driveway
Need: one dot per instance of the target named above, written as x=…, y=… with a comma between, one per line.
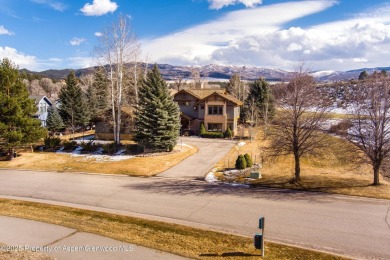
x=198, y=165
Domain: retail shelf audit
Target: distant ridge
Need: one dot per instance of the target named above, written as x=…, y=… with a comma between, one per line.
x=222, y=72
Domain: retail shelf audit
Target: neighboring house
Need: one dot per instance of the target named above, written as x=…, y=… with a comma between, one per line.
x=43, y=104
x=104, y=129
x=214, y=107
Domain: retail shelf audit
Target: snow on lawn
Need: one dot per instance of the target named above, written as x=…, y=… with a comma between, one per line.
x=97, y=156
x=210, y=177
x=241, y=144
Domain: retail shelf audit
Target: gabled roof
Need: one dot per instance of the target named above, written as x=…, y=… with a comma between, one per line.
x=38, y=98
x=225, y=96
x=203, y=94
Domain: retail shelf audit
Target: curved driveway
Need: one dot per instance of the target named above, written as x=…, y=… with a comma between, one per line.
x=355, y=227
x=197, y=166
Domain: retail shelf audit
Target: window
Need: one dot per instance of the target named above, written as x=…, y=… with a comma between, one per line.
x=215, y=110
x=214, y=127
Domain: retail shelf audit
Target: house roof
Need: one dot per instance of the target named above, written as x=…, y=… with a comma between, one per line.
x=38, y=98
x=223, y=95
x=203, y=94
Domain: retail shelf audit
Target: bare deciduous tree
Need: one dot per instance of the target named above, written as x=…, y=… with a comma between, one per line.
x=301, y=111
x=370, y=131
x=196, y=77
x=118, y=49
x=178, y=82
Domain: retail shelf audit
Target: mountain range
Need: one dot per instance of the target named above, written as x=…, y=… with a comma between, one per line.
x=221, y=72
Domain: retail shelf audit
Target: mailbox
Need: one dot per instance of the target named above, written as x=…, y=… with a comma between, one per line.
x=261, y=222
x=258, y=240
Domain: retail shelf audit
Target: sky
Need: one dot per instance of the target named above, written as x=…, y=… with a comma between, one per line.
x=324, y=34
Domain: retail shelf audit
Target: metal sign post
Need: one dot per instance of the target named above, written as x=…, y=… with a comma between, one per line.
x=259, y=238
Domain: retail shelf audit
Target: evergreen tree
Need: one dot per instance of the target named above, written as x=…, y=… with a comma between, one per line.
x=73, y=110
x=54, y=121
x=363, y=75
x=97, y=94
x=248, y=160
x=260, y=103
x=157, y=119
x=17, y=125
x=240, y=162
x=202, y=129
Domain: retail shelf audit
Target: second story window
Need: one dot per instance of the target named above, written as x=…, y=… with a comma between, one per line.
x=215, y=110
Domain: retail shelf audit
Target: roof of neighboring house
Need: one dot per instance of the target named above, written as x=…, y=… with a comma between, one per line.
x=38, y=98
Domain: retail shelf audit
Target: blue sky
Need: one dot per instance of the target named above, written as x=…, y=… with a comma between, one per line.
x=325, y=34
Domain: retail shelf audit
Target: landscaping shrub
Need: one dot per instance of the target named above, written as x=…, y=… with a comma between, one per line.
x=248, y=160
x=240, y=162
x=135, y=148
x=111, y=148
x=228, y=133
x=341, y=128
x=89, y=146
x=69, y=145
x=202, y=129
x=212, y=135
x=52, y=142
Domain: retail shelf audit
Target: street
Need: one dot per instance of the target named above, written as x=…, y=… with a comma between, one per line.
x=355, y=227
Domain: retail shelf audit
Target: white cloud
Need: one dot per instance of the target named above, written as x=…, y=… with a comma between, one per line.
x=218, y=4
x=98, y=34
x=99, y=7
x=240, y=38
x=228, y=31
x=19, y=58
x=3, y=30
x=58, y=6
x=80, y=62
x=77, y=41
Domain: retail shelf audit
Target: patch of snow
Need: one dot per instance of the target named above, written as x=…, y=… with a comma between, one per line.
x=103, y=158
x=322, y=73
x=237, y=185
x=77, y=150
x=241, y=144
x=120, y=152
x=210, y=177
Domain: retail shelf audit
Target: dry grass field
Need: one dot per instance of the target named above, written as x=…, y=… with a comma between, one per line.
x=138, y=166
x=335, y=170
x=182, y=240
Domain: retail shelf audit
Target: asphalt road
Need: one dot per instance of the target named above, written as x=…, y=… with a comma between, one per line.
x=354, y=227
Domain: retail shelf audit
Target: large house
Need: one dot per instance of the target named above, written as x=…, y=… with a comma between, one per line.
x=43, y=104
x=216, y=109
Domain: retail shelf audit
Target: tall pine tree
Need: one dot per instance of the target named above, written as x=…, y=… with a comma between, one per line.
x=259, y=105
x=17, y=124
x=157, y=118
x=73, y=110
x=54, y=121
x=97, y=94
